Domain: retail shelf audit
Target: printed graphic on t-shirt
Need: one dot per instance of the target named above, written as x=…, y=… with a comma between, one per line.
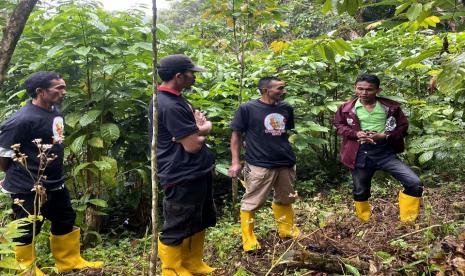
x=275, y=124
x=58, y=130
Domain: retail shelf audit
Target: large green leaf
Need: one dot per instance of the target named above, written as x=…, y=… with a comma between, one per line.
x=417, y=58
x=89, y=117
x=327, y=7
x=414, y=11
x=76, y=145
x=452, y=77
x=82, y=51
x=96, y=142
x=9, y=263
x=109, y=132
x=102, y=165
x=425, y=157
x=52, y=51
x=72, y=119
x=98, y=202
x=109, y=175
x=80, y=167
x=143, y=175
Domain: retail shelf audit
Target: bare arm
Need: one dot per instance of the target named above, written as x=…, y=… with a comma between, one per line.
x=192, y=143
x=236, y=142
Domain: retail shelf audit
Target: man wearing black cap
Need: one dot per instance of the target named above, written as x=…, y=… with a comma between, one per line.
x=185, y=171
x=40, y=124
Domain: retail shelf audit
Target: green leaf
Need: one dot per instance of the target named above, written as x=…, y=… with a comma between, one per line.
x=451, y=77
x=343, y=44
x=9, y=263
x=222, y=168
x=327, y=7
x=143, y=175
x=113, y=170
x=401, y=8
x=329, y=53
x=98, y=202
x=163, y=28
x=109, y=132
x=76, y=145
x=82, y=51
x=349, y=6
x=96, y=142
x=89, y=117
x=52, y=51
x=80, y=167
x=414, y=11
x=144, y=45
x=417, y=58
x=425, y=157
x=316, y=127
x=72, y=119
x=352, y=270
x=109, y=174
x=102, y=165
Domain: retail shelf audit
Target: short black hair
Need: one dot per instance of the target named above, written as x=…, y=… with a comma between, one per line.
x=265, y=82
x=368, y=78
x=41, y=79
x=167, y=74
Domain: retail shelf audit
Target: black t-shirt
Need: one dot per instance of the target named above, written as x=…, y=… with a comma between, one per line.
x=175, y=121
x=27, y=124
x=265, y=127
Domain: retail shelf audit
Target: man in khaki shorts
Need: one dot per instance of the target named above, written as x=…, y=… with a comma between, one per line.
x=270, y=161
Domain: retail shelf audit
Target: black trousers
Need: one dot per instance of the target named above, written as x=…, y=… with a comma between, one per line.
x=57, y=209
x=371, y=158
x=188, y=208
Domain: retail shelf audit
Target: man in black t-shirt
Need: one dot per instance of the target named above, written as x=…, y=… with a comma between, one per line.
x=270, y=161
x=185, y=170
x=40, y=124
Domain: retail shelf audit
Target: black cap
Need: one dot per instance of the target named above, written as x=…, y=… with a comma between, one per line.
x=178, y=63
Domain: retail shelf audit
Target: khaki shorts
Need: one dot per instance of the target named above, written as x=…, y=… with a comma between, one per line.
x=259, y=182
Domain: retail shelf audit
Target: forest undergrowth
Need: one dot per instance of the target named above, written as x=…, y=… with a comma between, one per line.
x=433, y=245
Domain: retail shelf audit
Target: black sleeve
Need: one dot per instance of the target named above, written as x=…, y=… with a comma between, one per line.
x=290, y=122
x=13, y=131
x=179, y=121
x=240, y=120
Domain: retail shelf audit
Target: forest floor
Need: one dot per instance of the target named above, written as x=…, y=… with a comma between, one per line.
x=433, y=245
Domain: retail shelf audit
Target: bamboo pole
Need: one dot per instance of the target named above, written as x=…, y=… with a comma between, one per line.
x=153, y=159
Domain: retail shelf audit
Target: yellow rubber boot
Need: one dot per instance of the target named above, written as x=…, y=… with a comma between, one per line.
x=409, y=207
x=66, y=251
x=25, y=255
x=249, y=241
x=363, y=210
x=284, y=216
x=192, y=252
x=170, y=257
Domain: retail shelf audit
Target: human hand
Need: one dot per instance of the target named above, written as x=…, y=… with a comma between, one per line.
x=234, y=170
x=361, y=134
x=375, y=136
x=364, y=138
x=200, y=118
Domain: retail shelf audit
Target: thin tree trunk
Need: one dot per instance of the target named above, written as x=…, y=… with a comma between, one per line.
x=153, y=159
x=13, y=30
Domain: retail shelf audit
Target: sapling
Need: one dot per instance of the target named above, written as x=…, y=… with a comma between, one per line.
x=45, y=158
